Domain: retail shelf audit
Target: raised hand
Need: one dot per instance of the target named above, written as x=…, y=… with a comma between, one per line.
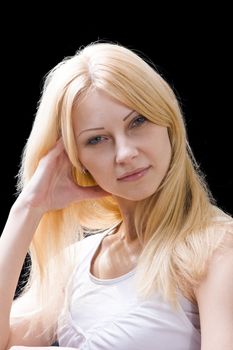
x=52, y=186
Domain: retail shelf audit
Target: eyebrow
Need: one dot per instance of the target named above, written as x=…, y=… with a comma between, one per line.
x=101, y=128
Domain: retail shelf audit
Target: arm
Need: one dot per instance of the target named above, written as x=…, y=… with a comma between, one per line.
x=15, y=241
x=50, y=188
x=215, y=300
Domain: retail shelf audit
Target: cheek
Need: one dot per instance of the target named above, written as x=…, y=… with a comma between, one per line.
x=163, y=152
x=86, y=156
x=96, y=163
x=166, y=154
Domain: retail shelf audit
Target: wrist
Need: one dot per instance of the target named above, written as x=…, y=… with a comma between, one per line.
x=22, y=205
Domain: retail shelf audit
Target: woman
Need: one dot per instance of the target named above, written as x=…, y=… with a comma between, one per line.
x=108, y=157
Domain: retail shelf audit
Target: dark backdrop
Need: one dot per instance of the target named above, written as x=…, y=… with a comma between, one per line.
x=192, y=55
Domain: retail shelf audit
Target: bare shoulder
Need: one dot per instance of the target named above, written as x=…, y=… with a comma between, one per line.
x=220, y=265
x=224, y=252
x=215, y=296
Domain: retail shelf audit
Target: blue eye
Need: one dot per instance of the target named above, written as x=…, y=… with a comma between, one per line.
x=138, y=121
x=95, y=140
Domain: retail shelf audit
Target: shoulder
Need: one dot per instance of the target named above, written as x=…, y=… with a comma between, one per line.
x=214, y=295
x=87, y=241
x=199, y=254
x=223, y=229
x=90, y=241
x=220, y=263
x=80, y=250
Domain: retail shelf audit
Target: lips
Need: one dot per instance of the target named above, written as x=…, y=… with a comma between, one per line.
x=133, y=173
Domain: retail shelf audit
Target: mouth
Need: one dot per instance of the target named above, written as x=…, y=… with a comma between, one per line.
x=134, y=175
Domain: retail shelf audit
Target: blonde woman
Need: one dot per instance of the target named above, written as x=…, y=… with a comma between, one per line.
x=128, y=249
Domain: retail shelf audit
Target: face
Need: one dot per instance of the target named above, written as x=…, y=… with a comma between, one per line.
x=126, y=154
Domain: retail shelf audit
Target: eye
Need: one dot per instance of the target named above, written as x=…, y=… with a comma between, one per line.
x=138, y=121
x=95, y=140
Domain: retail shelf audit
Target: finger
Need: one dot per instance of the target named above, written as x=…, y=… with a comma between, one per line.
x=58, y=147
x=54, y=152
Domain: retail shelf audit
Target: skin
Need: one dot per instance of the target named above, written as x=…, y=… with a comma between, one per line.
x=122, y=141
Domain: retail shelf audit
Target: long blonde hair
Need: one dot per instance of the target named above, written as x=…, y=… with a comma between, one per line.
x=175, y=224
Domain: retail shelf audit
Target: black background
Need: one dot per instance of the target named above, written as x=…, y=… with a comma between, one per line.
x=190, y=50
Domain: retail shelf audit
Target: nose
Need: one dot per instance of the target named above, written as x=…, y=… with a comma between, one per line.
x=125, y=151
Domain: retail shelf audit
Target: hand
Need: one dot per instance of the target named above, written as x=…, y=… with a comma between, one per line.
x=52, y=186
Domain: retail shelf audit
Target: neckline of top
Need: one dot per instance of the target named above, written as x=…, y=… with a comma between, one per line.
x=107, y=281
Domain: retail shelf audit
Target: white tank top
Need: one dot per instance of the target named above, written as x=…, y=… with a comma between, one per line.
x=106, y=314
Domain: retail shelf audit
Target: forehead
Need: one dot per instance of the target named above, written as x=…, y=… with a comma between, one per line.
x=96, y=107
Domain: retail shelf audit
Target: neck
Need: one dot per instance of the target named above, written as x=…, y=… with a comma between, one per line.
x=127, y=231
